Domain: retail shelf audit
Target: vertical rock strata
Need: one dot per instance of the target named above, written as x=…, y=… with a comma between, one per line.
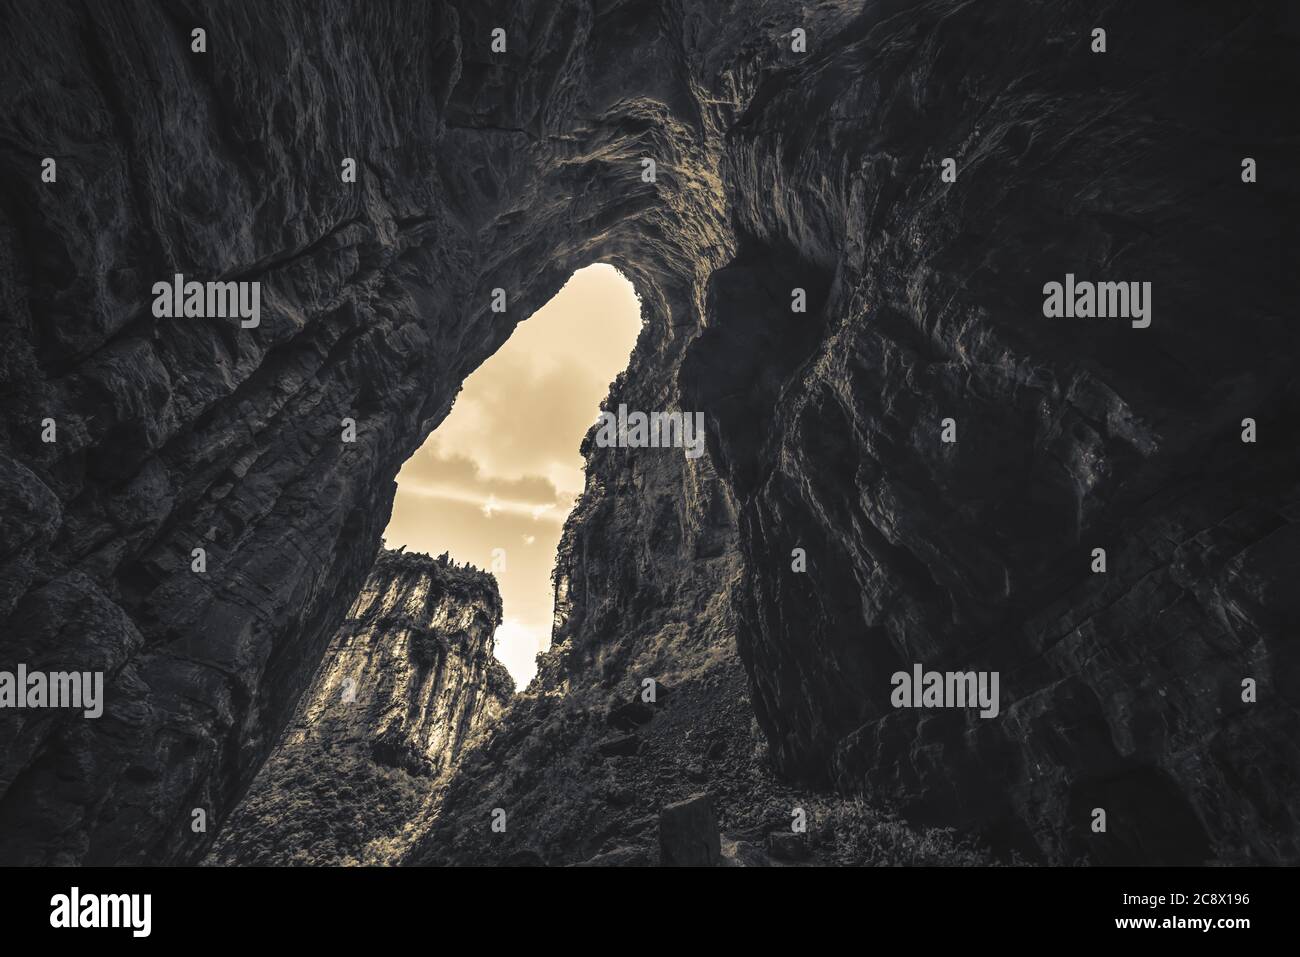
x=408, y=679
x=776, y=170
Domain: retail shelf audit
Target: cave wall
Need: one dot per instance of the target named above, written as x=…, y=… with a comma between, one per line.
x=1121, y=691
x=776, y=169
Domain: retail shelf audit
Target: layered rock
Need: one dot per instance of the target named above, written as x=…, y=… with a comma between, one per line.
x=409, y=678
x=776, y=169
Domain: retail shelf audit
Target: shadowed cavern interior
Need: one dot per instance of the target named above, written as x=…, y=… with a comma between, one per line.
x=819, y=170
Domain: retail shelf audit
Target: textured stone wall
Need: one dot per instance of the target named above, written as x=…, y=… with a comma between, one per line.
x=777, y=169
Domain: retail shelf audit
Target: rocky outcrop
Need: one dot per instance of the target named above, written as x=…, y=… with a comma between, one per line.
x=777, y=169
x=409, y=678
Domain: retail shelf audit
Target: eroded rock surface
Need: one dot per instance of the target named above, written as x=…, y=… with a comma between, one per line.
x=408, y=680
x=776, y=169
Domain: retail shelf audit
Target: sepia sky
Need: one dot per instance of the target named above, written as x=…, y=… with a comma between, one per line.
x=503, y=469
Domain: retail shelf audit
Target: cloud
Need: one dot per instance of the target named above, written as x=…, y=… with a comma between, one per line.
x=526, y=409
x=434, y=474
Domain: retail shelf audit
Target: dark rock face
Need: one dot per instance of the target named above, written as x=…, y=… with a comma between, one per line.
x=407, y=681
x=1120, y=690
x=776, y=170
x=688, y=834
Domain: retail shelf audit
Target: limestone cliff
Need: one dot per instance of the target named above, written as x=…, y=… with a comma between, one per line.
x=409, y=678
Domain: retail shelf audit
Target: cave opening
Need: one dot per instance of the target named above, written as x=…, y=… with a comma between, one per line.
x=495, y=481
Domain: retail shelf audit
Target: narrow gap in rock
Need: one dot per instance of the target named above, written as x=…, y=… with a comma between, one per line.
x=494, y=483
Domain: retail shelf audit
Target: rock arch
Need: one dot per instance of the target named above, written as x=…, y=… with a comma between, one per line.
x=479, y=170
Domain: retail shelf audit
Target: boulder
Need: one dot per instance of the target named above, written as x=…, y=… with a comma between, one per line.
x=688, y=834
